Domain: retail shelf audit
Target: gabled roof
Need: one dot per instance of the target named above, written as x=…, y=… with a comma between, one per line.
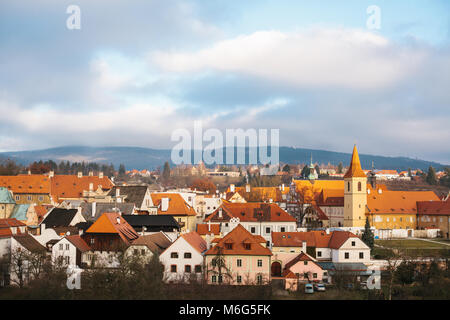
x=433, y=207
x=112, y=222
x=177, y=205
x=29, y=243
x=6, y=196
x=196, y=241
x=253, y=212
x=316, y=238
x=72, y=186
x=355, y=170
x=301, y=257
x=338, y=238
x=79, y=243
x=261, y=194
x=41, y=211
x=35, y=183
x=156, y=242
x=59, y=217
x=397, y=202
x=6, y=224
x=205, y=228
x=238, y=237
x=134, y=194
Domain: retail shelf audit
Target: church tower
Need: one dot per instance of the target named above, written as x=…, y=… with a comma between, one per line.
x=355, y=193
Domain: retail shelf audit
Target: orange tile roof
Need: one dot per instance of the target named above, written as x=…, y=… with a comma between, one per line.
x=252, y=212
x=109, y=223
x=301, y=257
x=35, y=183
x=260, y=194
x=316, y=238
x=202, y=229
x=237, y=238
x=398, y=201
x=6, y=224
x=355, y=170
x=72, y=186
x=196, y=241
x=177, y=205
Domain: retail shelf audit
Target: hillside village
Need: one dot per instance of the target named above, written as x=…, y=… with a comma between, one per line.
x=309, y=229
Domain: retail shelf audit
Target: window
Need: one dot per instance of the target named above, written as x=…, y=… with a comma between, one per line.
x=228, y=246
x=359, y=186
x=92, y=240
x=305, y=263
x=29, y=198
x=219, y=279
x=259, y=278
x=187, y=255
x=239, y=262
x=315, y=275
x=41, y=198
x=187, y=268
x=253, y=230
x=67, y=246
x=247, y=246
x=61, y=246
x=282, y=229
x=198, y=268
x=259, y=263
x=142, y=251
x=348, y=186
x=319, y=253
x=173, y=268
x=346, y=255
x=239, y=279
x=213, y=279
x=136, y=252
x=213, y=262
x=174, y=255
x=353, y=243
x=267, y=230
x=361, y=255
x=17, y=198
x=67, y=260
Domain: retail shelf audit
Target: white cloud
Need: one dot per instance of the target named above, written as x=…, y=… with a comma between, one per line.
x=314, y=57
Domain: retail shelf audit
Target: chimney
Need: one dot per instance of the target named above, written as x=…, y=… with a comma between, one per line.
x=327, y=230
x=247, y=188
x=282, y=187
x=117, y=192
x=29, y=172
x=51, y=174
x=94, y=208
x=231, y=187
x=220, y=212
x=118, y=220
x=209, y=226
x=91, y=186
x=304, y=246
x=91, y=173
x=80, y=174
x=100, y=175
x=164, y=204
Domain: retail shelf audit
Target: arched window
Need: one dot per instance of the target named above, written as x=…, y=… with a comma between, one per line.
x=359, y=186
x=348, y=186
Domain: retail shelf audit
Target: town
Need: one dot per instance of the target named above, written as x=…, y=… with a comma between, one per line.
x=304, y=232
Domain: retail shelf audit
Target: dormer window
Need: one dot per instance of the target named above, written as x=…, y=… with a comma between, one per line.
x=247, y=246
x=228, y=246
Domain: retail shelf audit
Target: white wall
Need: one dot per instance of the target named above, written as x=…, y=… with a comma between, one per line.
x=180, y=246
x=71, y=252
x=338, y=255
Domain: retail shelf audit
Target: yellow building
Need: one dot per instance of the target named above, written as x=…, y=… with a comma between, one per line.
x=355, y=193
x=173, y=204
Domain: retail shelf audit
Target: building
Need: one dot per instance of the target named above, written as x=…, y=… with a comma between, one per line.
x=108, y=237
x=258, y=218
x=396, y=209
x=7, y=203
x=239, y=258
x=174, y=205
x=355, y=193
x=93, y=210
x=183, y=260
x=434, y=215
x=28, y=189
x=138, y=195
x=151, y=224
x=147, y=246
x=68, y=251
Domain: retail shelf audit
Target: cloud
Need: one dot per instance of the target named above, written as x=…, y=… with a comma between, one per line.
x=310, y=58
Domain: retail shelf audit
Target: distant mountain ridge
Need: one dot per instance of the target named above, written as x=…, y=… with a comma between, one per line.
x=147, y=158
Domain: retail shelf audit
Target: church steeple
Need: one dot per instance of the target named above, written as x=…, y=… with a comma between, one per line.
x=355, y=170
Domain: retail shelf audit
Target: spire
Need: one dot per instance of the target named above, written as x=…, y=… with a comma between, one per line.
x=355, y=171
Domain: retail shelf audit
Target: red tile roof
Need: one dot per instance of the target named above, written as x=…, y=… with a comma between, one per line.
x=433, y=207
x=35, y=183
x=398, y=202
x=72, y=186
x=252, y=212
x=196, y=241
x=78, y=242
x=238, y=237
x=203, y=229
x=317, y=239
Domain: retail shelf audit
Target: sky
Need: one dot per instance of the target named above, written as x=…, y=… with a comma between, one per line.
x=136, y=71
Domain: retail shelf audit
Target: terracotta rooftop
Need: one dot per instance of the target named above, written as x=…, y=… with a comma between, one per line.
x=203, y=229
x=317, y=239
x=112, y=222
x=355, y=170
x=398, y=201
x=72, y=186
x=177, y=205
x=35, y=183
x=196, y=241
x=433, y=207
x=78, y=242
